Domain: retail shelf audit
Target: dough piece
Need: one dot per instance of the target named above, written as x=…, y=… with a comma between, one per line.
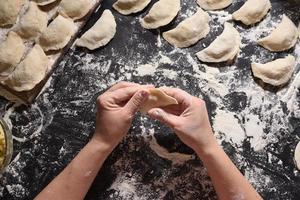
x=225, y=47
x=75, y=9
x=214, y=4
x=189, y=31
x=127, y=7
x=299, y=30
x=157, y=99
x=101, y=33
x=9, y=11
x=11, y=53
x=297, y=156
x=30, y=71
x=282, y=38
x=277, y=72
x=44, y=2
x=32, y=23
x=161, y=14
x=252, y=11
x=58, y=34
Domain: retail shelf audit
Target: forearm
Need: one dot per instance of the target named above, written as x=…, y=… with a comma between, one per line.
x=75, y=180
x=228, y=182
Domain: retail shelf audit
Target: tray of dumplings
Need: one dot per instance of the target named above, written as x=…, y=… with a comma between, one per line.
x=34, y=35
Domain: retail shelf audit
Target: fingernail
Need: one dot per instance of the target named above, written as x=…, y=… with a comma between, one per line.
x=144, y=93
x=156, y=113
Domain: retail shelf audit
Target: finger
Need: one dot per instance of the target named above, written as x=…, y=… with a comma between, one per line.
x=122, y=84
x=134, y=104
x=166, y=118
x=124, y=94
x=181, y=96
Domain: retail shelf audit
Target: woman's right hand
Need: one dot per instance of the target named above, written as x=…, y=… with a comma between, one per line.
x=189, y=120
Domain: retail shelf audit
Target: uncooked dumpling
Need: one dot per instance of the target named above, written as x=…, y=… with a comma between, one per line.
x=101, y=33
x=297, y=156
x=252, y=11
x=58, y=34
x=214, y=4
x=30, y=71
x=161, y=14
x=127, y=7
x=282, y=38
x=32, y=23
x=75, y=9
x=11, y=53
x=277, y=72
x=44, y=2
x=189, y=31
x=157, y=99
x=9, y=11
x=225, y=47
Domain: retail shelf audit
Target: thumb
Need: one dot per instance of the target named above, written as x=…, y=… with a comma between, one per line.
x=166, y=118
x=136, y=101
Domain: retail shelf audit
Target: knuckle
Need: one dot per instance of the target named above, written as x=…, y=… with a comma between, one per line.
x=101, y=100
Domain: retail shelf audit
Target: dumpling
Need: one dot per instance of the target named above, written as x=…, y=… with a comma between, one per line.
x=58, y=34
x=297, y=156
x=44, y=2
x=189, y=31
x=9, y=11
x=30, y=71
x=75, y=9
x=127, y=7
x=252, y=11
x=32, y=23
x=101, y=33
x=225, y=47
x=299, y=30
x=214, y=4
x=277, y=72
x=161, y=14
x=282, y=38
x=157, y=99
x=11, y=53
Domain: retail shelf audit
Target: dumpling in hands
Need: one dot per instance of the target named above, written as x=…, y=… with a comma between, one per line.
x=214, y=4
x=32, y=23
x=9, y=11
x=101, y=33
x=30, y=71
x=75, y=9
x=252, y=11
x=127, y=7
x=189, y=31
x=161, y=14
x=11, y=53
x=58, y=34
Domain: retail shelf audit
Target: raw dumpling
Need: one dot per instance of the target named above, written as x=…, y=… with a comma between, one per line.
x=9, y=11
x=44, y=2
x=157, y=99
x=282, y=38
x=252, y=11
x=297, y=156
x=189, y=31
x=127, y=7
x=32, y=23
x=101, y=33
x=75, y=9
x=30, y=71
x=299, y=30
x=58, y=34
x=11, y=53
x=225, y=47
x=277, y=72
x=214, y=4
x=161, y=14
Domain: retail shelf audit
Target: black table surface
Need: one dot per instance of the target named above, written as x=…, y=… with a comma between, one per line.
x=51, y=131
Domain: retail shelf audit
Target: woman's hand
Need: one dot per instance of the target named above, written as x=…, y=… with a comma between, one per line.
x=115, y=111
x=189, y=119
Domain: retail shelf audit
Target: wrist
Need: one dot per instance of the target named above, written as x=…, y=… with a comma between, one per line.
x=101, y=145
x=208, y=150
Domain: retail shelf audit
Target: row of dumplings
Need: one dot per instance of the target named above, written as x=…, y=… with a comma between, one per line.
x=23, y=61
x=227, y=45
